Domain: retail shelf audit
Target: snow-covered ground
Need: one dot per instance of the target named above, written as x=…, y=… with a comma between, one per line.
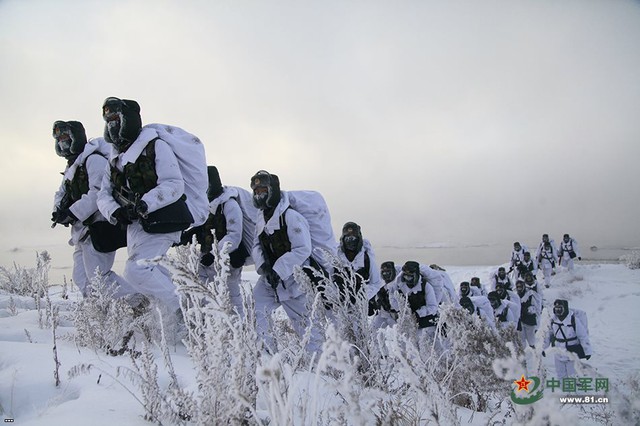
x=609, y=293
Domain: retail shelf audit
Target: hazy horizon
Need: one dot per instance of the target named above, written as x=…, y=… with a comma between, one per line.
x=423, y=121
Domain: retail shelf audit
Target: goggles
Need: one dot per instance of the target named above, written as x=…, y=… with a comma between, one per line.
x=61, y=131
x=350, y=239
x=262, y=179
x=111, y=109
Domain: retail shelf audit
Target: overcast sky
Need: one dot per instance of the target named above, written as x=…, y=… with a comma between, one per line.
x=423, y=121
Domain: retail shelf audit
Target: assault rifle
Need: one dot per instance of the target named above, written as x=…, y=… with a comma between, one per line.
x=127, y=199
x=64, y=204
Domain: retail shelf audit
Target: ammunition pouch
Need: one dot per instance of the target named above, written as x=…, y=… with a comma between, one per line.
x=106, y=237
x=174, y=217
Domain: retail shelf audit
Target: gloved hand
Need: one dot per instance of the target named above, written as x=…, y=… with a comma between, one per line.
x=64, y=217
x=141, y=208
x=579, y=258
x=531, y=310
x=587, y=357
x=207, y=259
x=122, y=216
x=543, y=354
x=273, y=278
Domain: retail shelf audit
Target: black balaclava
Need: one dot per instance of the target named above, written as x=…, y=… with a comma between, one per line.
x=517, y=246
x=466, y=303
x=530, y=280
x=465, y=290
x=70, y=138
x=561, y=308
x=520, y=288
x=566, y=238
x=215, y=185
x=494, y=299
x=351, y=239
x=388, y=271
x=475, y=281
x=411, y=273
x=501, y=272
x=123, y=123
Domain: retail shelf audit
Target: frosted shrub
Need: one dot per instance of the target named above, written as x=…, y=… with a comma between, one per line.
x=632, y=260
x=27, y=281
x=102, y=321
x=474, y=347
x=222, y=345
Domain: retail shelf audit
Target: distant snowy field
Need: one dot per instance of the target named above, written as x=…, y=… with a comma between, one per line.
x=609, y=293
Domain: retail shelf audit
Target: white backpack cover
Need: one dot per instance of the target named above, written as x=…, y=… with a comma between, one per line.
x=580, y=315
x=249, y=213
x=313, y=207
x=190, y=153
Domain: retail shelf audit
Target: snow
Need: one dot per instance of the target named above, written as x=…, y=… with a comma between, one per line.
x=609, y=293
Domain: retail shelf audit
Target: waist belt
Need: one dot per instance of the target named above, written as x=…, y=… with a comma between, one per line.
x=566, y=340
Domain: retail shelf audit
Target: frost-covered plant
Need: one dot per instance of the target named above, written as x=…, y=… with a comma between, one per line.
x=27, y=281
x=632, y=260
x=101, y=320
x=473, y=348
x=348, y=313
x=627, y=396
x=222, y=345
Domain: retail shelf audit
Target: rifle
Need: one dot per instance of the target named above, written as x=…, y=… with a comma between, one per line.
x=127, y=199
x=64, y=204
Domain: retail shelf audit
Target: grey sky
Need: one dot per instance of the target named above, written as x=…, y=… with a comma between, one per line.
x=424, y=121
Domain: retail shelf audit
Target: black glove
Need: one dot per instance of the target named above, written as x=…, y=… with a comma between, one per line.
x=122, y=216
x=543, y=354
x=273, y=278
x=141, y=208
x=579, y=258
x=64, y=217
x=587, y=357
x=207, y=259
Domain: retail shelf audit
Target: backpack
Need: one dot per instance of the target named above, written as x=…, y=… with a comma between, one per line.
x=582, y=317
x=313, y=207
x=249, y=213
x=190, y=153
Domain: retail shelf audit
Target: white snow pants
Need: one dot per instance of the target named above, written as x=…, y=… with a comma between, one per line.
x=546, y=272
x=296, y=309
x=528, y=335
x=208, y=273
x=150, y=280
x=564, y=367
x=86, y=260
x=567, y=262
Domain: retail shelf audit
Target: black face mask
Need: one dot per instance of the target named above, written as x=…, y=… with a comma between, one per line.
x=495, y=303
x=388, y=275
x=465, y=290
x=350, y=242
x=410, y=279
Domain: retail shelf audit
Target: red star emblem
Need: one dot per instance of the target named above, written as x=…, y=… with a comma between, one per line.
x=523, y=384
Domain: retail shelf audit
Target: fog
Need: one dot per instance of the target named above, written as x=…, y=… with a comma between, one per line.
x=423, y=121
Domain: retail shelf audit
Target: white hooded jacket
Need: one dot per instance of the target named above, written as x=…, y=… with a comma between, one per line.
x=299, y=237
x=374, y=283
x=86, y=206
x=233, y=217
x=170, y=183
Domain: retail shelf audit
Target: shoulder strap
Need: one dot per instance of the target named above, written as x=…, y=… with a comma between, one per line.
x=367, y=262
